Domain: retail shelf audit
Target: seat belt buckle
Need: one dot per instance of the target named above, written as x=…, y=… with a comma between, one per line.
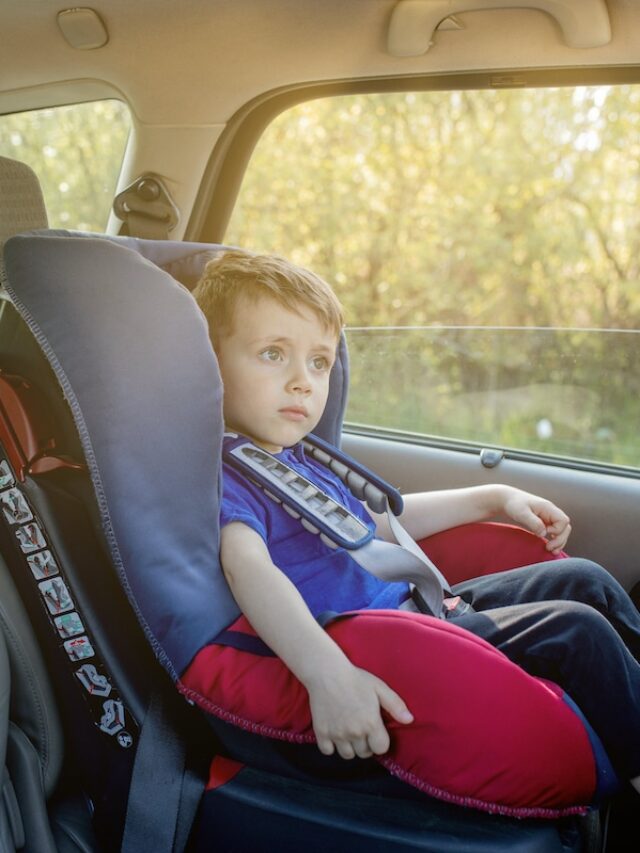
x=455, y=606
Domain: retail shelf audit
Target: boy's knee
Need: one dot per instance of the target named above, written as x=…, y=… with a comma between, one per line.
x=592, y=570
x=585, y=574
x=583, y=621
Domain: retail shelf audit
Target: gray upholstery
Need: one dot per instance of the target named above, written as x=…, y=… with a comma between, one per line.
x=130, y=349
x=21, y=209
x=24, y=824
x=116, y=336
x=21, y=202
x=33, y=706
x=32, y=701
x=5, y=699
x=31, y=739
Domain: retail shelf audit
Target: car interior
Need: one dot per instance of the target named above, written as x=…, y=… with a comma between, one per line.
x=136, y=141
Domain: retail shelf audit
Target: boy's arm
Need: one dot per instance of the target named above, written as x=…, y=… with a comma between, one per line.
x=426, y=513
x=345, y=701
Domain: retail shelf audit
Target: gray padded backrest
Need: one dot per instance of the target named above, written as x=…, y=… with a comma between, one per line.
x=21, y=202
x=131, y=351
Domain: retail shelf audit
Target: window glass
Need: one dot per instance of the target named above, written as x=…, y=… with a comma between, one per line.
x=76, y=151
x=486, y=247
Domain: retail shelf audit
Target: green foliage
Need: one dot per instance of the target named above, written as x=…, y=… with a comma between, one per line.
x=500, y=207
x=552, y=391
x=513, y=208
x=76, y=151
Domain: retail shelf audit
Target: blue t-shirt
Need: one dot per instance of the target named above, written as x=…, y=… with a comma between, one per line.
x=328, y=579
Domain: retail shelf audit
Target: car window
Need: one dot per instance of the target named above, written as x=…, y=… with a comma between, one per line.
x=76, y=151
x=485, y=245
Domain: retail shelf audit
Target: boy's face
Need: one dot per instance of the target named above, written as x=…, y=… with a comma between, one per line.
x=275, y=367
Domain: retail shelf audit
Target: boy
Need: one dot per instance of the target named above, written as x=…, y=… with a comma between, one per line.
x=275, y=329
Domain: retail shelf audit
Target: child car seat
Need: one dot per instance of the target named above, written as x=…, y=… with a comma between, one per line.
x=41, y=809
x=114, y=305
x=40, y=444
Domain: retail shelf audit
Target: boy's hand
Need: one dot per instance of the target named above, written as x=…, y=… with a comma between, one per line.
x=346, y=712
x=540, y=516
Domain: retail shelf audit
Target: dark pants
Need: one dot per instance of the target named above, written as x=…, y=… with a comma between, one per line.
x=569, y=621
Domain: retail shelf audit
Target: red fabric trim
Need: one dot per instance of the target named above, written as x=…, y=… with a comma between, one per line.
x=221, y=771
x=472, y=802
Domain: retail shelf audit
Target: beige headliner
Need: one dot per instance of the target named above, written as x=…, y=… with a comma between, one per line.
x=185, y=66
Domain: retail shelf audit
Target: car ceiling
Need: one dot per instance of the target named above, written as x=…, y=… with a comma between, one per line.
x=197, y=61
x=185, y=68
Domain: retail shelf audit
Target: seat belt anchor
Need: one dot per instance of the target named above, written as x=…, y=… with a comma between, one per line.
x=146, y=208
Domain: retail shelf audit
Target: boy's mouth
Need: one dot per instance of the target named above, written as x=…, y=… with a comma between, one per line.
x=294, y=413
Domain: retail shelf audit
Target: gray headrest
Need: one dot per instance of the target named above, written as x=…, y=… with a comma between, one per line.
x=21, y=201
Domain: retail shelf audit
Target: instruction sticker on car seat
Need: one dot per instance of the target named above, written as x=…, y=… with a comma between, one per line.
x=15, y=507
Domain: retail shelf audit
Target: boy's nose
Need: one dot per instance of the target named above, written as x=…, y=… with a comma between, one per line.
x=299, y=386
x=299, y=380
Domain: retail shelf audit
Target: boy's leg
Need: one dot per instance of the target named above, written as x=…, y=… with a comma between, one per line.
x=571, y=579
x=577, y=647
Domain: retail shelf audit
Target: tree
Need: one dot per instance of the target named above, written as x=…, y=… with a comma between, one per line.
x=513, y=208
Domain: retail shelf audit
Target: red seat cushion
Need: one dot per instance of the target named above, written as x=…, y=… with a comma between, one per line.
x=485, y=733
x=473, y=550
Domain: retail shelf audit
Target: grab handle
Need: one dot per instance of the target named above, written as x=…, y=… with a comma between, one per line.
x=584, y=23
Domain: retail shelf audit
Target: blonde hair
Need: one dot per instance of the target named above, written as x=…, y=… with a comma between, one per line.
x=236, y=274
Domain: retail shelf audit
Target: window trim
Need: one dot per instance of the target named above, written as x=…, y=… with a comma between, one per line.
x=475, y=449
x=64, y=94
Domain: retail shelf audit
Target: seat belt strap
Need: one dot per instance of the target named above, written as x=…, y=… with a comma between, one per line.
x=337, y=526
x=405, y=561
x=163, y=794
x=409, y=544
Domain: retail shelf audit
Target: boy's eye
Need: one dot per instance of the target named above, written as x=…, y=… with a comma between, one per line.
x=320, y=362
x=271, y=354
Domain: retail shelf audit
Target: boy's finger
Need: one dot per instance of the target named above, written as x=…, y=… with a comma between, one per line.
x=532, y=522
x=536, y=525
x=555, y=547
x=558, y=527
x=558, y=522
x=392, y=703
x=379, y=741
x=325, y=746
x=362, y=748
x=345, y=749
x=557, y=543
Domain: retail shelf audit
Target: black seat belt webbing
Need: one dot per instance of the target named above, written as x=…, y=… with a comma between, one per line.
x=163, y=795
